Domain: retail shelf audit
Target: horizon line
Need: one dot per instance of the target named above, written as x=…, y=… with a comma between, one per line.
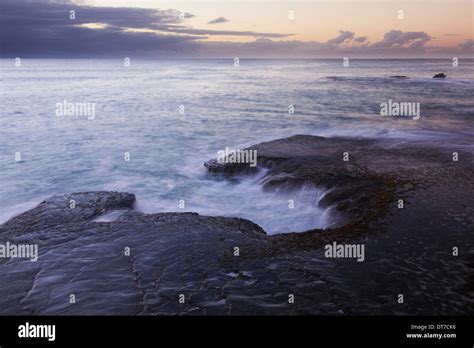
x=232, y=58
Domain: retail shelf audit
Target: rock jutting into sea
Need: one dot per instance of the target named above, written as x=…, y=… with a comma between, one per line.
x=406, y=205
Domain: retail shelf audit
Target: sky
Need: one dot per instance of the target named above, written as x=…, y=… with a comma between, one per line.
x=246, y=29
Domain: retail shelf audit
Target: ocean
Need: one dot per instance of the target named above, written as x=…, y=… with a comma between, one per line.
x=156, y=122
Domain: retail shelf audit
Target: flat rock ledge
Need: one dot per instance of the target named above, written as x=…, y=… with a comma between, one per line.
x=144, y=264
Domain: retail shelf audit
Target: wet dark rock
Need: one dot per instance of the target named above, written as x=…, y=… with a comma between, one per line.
x=57, y=210
x=398, y=77
x=213, y=166
x=440, y=76
x=174, y=254
x=438, y=199
x=170, y=254
x=354, y=190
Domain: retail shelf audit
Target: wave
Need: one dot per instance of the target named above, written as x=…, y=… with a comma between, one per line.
x=10, y=212
x=243, y=197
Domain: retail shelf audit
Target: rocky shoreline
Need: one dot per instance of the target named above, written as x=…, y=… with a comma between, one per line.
x=185, y=263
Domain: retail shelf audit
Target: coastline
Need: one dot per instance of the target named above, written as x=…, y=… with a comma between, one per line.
x=180, y=253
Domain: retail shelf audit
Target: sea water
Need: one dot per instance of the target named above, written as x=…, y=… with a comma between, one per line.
x=156, y=122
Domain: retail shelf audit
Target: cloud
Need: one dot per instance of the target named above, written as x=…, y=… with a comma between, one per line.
x=341, y=38
x=226, y=32
x=395, y=44
x=398, y=39
x=263, y=39
x=346, y=38
x=467, y=46
x=34, y=28
x=218, y=20
x=360, y=39
x=39, y=28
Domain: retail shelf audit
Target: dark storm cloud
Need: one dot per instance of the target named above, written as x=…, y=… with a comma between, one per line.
x=218, y=20
x=44, y=28
x=36, y=14
x=38, y=28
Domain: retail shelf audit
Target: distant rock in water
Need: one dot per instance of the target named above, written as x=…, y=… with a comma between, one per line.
x=398, y=77
x=440, y=76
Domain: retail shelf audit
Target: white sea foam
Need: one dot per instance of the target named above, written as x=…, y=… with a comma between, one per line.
x=17, y=209
x=276, y=212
